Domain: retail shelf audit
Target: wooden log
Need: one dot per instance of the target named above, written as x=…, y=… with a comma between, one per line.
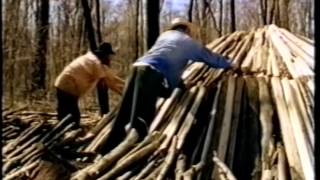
x=56, y=128
x=235, y=120
x=24, y=146
x=311, y=87
x=176, y=120
x=286, y=129
x=70, y=137
x=13, y=111
x=145, y=170
x=147, y=140
x=190, y=117
x=304, y=149
x=225, y=131
x=229, y=49
x=257, y=61
x=307, y=102
x=243, y=49
x=273, y=59
x=164, y=109
x=104, y=121
x=224, y=170
x=210, y=132
x=216, y=42
x=154, y=173
x=216, y=75
x=104, y=163
x=266, y=113
x=100, y=139
x=192, y=71
x=159, y=103
x=199, y=76
x=21, y=171
x=232, y=55
x=194, y=76
x=269, y=62
x=226, y=122
x=284, y=52
x=125, y=176
x=299, y=52
x=39, y=148
x=305, y=39
x=306, y=46
x=50, y=142
x=264, y=58
x=281, y=167
x=169, y=159
x=303, y=67
x=248, y=60
x=140, y=154
x=303, y=51
x=231, y=38
x=12, y=161
x=303, y=112
x=180, y=167
x=194, y=170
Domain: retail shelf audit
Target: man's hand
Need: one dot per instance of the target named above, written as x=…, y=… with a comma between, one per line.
x=236, y=69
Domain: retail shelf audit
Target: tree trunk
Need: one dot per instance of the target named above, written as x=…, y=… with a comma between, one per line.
x=88, y=24
x=190, y=11
x=284, y=13
x=202, y=19
x=152, y=22
x=102, y=91
x=220, y=17
x=263, y=11
x=42, y=26
x=142, y=27
x=98, y=21
x=232, y=16
x=137, y=30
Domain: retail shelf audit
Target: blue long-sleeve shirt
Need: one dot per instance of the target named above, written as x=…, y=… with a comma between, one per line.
x=171, y=53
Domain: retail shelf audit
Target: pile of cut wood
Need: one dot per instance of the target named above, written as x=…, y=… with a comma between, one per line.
x=254, y=125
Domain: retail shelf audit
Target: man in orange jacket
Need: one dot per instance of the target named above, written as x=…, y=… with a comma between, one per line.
x=82, y=76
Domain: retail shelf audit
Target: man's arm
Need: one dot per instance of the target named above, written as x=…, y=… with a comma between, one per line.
x=112, y=81
x=212, y=59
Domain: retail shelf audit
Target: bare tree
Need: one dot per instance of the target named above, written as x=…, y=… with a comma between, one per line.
x=88, y=25
x=283, y=13
x=42, y=26
x=220, y=17
x=263, y=11
x=102, y=90
x=275, y=12
x=153, y=10
x=190, y=11
x=98, y=21
x=232, y=16
x=137, y=13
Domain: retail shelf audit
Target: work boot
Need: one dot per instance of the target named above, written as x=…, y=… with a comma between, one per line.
x=142, y=128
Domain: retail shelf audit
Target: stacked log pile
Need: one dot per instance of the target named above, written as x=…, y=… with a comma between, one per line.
x=224, y=125
x=28, y=136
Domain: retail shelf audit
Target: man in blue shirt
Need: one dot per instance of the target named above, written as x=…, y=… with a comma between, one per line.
x=156, y=74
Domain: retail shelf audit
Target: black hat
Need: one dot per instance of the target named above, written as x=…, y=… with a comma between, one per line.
x=105, y=48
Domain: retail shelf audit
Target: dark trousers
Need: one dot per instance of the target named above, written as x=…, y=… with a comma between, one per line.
x=68, y=104
x=138, y=105
x=103, y=98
